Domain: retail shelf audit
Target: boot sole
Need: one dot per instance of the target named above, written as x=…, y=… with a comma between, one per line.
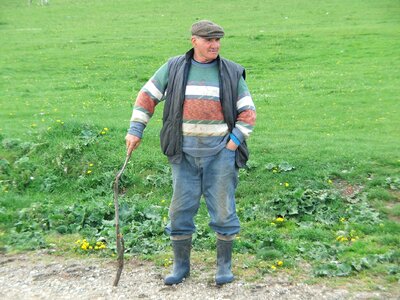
x=222, y=282
x=177, y=281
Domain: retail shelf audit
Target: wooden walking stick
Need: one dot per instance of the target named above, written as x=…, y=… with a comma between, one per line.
x=120, y=238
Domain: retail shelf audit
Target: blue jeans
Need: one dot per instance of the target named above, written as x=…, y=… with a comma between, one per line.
x=214, y=177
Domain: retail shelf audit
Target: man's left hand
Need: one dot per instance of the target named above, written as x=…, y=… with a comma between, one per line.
x=231, y=145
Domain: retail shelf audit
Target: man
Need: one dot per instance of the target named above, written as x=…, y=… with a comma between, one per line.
x=208, y=114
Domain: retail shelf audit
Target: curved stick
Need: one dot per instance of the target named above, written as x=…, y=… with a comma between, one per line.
x=120, y=238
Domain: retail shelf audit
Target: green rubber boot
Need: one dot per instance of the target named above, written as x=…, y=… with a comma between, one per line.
x=224, y=262
x=181, y=267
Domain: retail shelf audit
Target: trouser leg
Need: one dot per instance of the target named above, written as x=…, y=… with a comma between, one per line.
x=183, y=208
x=185, y=199
x=220, y=178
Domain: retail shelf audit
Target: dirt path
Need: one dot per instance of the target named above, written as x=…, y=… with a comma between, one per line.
x=43, y=276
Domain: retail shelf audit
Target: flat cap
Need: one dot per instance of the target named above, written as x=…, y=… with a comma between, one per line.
x=207, y=29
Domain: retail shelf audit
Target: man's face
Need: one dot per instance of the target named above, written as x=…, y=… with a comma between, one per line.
x=205, y=49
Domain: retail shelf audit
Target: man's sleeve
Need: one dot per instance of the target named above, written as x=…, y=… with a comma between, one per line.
x=148, y=97
x=246, y=113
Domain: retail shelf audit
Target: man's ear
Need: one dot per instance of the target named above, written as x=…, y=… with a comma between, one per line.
x=193, y=40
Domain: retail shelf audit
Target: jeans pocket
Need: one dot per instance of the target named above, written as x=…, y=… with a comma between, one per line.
x=226, y=148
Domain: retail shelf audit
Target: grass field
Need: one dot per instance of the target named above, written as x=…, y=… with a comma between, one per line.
x=323, y=182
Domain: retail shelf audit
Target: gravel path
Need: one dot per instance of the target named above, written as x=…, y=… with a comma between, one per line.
x=43, y=276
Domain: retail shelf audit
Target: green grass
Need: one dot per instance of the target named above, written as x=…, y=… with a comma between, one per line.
x=323, y=76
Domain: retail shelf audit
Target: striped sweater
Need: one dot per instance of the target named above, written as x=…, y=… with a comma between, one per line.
x=204, y=129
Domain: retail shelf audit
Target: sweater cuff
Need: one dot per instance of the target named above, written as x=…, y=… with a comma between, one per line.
x=234, y=139
x=136, y=129
x=239, y=135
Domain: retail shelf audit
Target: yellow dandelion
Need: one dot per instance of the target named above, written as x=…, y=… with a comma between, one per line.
x=89, y=171
x=279, y=219
x=286, y=184
x=342, y=220
x=329, y=181
x=103, y=132
x=279, y=263
x=273, y=267
x=167, y=262
x=105, y=129
x=91, y=165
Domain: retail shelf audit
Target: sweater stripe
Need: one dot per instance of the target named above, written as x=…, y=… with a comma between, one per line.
x=153, y=91
x=244, y=108
x=202, y=110
x=202, y=83
x=200, y=91
x=243, y=102
x=244, y=128
x=204, y=129
x=139, y=116
x=196, y=97
x=211, y=122
x=145, y=102
x=247, y=117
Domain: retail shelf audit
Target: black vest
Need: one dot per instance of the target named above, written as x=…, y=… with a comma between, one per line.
x=178, y=72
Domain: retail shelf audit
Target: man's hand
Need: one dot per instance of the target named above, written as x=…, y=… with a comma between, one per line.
x=132, y=142
x=231, y=145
